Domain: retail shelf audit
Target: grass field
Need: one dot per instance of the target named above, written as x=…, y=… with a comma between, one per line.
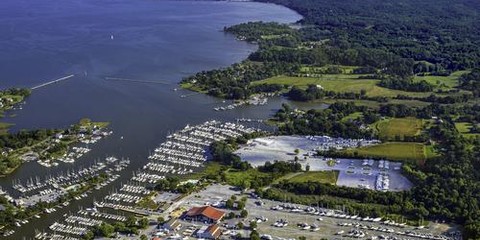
x=236, y=178
x=329, y=177
x=464, y=129
x=375, y=104
x=393, y=151
x=341, y=83
x=352, y=116
x=443, y=82
x=389, y=129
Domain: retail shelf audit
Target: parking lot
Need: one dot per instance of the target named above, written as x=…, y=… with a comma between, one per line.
x=313, y=224
x=332, y=227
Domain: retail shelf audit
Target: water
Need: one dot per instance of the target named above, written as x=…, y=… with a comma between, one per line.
x=152, y=40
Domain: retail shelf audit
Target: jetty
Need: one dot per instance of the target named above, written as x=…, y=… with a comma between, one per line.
x=53, y=81
x=135, y=80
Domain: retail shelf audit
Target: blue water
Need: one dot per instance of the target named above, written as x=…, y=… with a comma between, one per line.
x=42, y=40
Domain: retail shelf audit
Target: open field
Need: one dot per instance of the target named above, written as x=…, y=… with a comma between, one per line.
x=236, y=178
x=352, y=116
x=464, y=129
x=316, y=176
x=393, y=151
x=375, y=104
x=442, y=82
x=389, y=129
x=342, y=83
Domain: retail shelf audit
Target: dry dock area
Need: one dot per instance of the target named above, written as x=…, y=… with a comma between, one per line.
x=359, y=173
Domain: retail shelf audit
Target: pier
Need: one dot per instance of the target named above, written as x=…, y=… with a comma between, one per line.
x=53, y=81
x=135, y=80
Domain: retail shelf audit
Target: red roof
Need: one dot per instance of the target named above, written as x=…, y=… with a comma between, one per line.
x=214, y=230
x=206, y=211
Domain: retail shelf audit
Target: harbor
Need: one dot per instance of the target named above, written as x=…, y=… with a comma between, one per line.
x=57, y=191
x=182, y=148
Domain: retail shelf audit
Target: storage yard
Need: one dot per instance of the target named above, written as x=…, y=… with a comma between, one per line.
x=371, y=174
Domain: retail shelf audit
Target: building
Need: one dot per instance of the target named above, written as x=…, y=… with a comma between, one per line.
x=172, y=224
x=206, y=214
x=211, y=232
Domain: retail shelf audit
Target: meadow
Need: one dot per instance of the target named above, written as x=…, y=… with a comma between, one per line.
x=399, y=151
x=329, y=177
x=390, y=129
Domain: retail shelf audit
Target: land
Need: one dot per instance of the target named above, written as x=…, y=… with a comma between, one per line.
x=47, y=146
x=329, y=177
x=9, y=99
x=400, y=151
x=398, y=127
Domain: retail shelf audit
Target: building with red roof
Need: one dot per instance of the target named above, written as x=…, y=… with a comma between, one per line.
x=211, y=232
x=204, y=214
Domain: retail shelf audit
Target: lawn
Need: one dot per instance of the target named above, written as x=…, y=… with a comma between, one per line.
x=399, y=151
x=329, y=177
x=341, y=83
x=389, y=129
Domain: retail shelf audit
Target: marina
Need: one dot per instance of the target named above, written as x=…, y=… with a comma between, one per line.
x=182, y=153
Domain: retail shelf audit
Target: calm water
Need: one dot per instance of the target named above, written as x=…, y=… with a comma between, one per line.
x=152, y=40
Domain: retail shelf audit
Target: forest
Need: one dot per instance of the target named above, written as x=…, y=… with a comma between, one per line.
x=443, y=33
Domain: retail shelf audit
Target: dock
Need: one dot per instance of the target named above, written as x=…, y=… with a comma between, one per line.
x=53, y=81
x=135, y=80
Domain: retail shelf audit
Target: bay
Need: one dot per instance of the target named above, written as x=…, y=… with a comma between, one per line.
x=156, y=41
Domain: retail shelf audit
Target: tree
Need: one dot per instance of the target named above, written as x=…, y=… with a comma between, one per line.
x=245, y=185
x=143, y=237
x=229, y=204
x=161, y=220
x=296, y=151
x=143, y=223
x=307, y=168
x=89, y=235
x=106, y=230
x=253, y=225
x=243, y=213
x=240, y=225
x=131, y=221
x=254, y=235
x=240, y=205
